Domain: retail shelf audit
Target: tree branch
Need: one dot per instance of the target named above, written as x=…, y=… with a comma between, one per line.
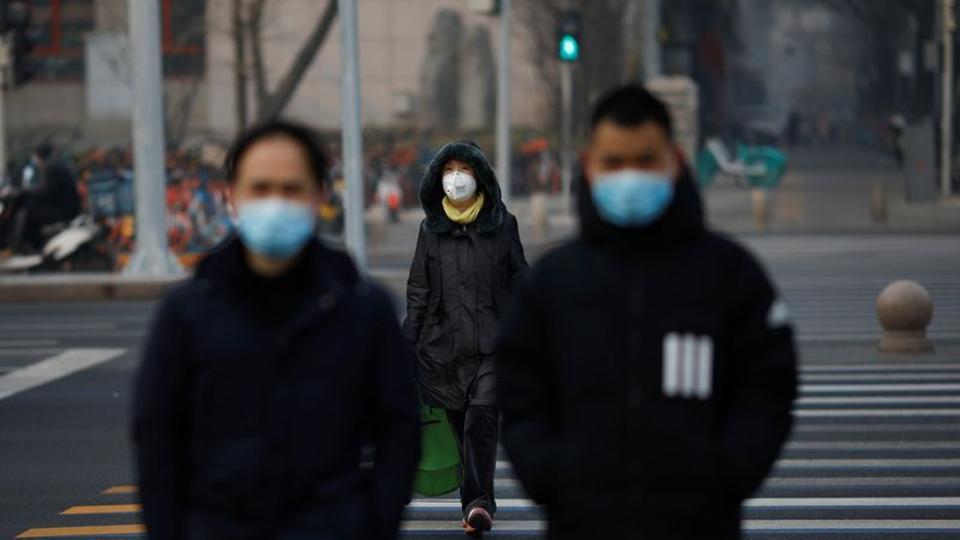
x=240, y=69
x=279, y=99
x=256, y=46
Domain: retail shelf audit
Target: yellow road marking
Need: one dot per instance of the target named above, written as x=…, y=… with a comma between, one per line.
x=63, y=532
x=101, y=509
x=120, y=490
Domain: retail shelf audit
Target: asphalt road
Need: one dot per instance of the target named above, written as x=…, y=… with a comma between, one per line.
x=876, y=452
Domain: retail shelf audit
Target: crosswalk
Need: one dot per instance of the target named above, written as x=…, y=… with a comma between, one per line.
x=28, y=330
x=875, y=454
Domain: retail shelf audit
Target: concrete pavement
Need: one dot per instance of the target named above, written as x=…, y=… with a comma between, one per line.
x=828, y=191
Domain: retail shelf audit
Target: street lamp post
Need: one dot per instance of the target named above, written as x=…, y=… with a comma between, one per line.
x=568, y=52
x=946, y=117
x=352, y=141
x=503, y=101
x=152, y=256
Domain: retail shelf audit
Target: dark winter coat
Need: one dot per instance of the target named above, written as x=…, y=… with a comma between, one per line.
x=57, y=198
x=460, y=283
x=600, y=420
x=255, y=397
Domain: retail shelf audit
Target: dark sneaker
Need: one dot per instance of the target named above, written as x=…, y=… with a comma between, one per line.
x=478, y=522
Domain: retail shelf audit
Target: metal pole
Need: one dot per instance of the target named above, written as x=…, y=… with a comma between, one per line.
x=4, y=64
x=651, y=40
x=946, y=118
x=566, y=144
x=152, y=256
x=352, y=141
x=503, y=101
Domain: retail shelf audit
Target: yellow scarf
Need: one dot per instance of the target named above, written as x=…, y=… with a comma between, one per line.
x=467, y=215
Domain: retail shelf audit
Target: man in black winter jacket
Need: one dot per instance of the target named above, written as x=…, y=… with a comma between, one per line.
x=265, y=375
x=647, y=371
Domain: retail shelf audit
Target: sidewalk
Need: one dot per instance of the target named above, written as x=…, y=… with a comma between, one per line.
x=829, y=192
x=82, y=287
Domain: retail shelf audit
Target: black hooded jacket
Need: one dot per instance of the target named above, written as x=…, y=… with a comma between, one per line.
x=646, y=379
x=256, y=395
x=460, y=282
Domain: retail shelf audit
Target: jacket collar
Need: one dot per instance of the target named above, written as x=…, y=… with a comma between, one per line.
x=331, y=271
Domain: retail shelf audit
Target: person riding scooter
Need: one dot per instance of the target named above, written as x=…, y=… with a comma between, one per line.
x=55, y=200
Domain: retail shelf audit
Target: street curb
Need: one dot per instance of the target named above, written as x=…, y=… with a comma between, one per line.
x=107, y=287
x=76, y=288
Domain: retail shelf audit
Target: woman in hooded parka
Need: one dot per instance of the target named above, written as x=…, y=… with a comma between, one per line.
x=468, y=261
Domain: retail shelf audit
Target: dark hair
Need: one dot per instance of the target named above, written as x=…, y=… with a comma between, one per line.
x=300, y=134
x=44, y=150
x=630, y=106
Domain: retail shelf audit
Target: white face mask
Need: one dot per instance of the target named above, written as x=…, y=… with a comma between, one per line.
x=459, y=186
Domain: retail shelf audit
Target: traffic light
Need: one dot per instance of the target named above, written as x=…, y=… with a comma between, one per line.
x=568, y=37
x=15, y=31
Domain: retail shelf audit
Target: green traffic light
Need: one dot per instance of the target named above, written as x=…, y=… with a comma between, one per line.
x=569, y=48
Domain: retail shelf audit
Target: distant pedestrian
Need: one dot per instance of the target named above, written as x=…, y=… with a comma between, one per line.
x=32, y=175
x=266, y=373
x=647, y=373
x=389, y=194
x=794, y=121
x=898, y=126
x=467, y=264
x=47, y=195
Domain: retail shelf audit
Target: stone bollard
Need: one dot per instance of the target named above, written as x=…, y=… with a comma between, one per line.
x=538, y=213
x=376, y=219
x=761, y=209
x=878, y=202
x=904, y=310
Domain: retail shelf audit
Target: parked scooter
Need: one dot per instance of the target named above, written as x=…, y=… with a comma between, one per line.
x=747, y=166
x=77, y=246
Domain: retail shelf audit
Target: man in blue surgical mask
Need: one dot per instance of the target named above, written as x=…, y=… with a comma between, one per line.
x=266, y=374
x=647, y=370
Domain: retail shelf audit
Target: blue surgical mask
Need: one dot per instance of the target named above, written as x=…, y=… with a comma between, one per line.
x=275, y=228
x=632, y=198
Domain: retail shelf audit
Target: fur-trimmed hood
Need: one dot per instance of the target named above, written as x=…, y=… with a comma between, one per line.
x=431, y=189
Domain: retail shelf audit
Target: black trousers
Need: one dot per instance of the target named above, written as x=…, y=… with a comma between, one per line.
x=478, y=432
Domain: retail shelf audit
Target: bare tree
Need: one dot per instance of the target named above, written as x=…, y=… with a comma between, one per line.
x=270, y=104
x=600, y=66
x=441, y=86
x=240, y=69
x=179, y=106
x=538, y=19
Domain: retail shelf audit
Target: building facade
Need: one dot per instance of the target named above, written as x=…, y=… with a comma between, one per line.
x=81, y=94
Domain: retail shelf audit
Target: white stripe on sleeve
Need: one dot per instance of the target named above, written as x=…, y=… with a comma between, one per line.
x=705, y=371
x=689, y=365
x=671, y=375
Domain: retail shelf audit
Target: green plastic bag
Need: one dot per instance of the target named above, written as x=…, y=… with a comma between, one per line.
x=439, y=470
